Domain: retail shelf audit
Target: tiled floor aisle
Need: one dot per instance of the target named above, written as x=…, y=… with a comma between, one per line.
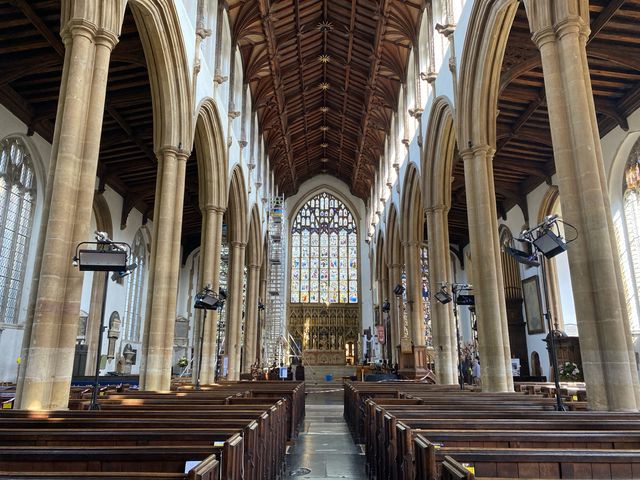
x=325, y=446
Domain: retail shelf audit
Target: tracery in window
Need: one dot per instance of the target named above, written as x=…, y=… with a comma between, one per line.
x=426, y=302
x=17, y=203
x=630, y=253
x=324, y=253
x=224, y=283
x=133, y=308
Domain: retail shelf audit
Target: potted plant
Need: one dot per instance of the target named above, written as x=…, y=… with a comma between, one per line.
x=183, y=362
x=569, y=372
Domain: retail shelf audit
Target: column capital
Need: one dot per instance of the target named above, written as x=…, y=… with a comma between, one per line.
x=543, y=36
x=104, y=18
x=572, y=25
x=236, y=244
x=550, y=20
x=410, y=243
x=440, y=208
x=178, y=152
x=78, y=27
x=253, y=266
x=469, y=153
x=213, y=208
x=106, y=38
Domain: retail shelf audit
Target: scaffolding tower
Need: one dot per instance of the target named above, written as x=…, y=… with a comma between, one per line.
x=274, y=327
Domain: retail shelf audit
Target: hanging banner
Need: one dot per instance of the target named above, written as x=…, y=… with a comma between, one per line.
x=380, y=333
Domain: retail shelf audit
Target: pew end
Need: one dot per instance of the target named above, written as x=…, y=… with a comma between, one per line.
x=452, y=470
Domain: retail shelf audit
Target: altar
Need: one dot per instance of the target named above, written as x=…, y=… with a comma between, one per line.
x=324, y=357
x=326, y=334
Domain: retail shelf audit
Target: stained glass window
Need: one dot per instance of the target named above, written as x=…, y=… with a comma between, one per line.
x=224, y=283
x=133, y=308
x=17, y=202
x=426, y=302
x=405, y=311
x=630, y=251
x=324, y=253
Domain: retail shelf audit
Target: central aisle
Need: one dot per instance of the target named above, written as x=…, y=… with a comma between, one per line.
x=325, y=446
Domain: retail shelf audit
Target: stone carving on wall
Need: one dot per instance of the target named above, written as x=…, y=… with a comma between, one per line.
x=322, y=331
x=113, y=334
x=180, y=339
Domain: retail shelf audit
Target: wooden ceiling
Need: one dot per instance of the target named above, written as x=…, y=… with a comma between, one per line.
x=31, y=56
x=325, y=77
x=524, y=153
x=339, y=130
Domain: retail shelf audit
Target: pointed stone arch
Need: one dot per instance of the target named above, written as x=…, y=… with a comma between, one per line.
x=395, y=263
x=411, y=207
x=381, y=258
x=212, y=156
x=162, y=40
x=237, y=235
x=437, y=174
x=480, y=67
x=254, y=245
x=333, y=191
x=412, y=237
x=437, y=166
x=237, y=210
x=394, y=252
x=254, y=263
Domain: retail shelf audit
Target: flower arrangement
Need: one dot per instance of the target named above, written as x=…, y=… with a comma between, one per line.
x=183, y=362
x=569, y=372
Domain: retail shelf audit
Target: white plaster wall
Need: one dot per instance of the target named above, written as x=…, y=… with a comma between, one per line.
x=187, y=16
x=40, y=151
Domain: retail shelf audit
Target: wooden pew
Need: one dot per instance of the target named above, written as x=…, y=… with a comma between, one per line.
x=267, y=448
x=523, y=463
x=103, y=475
x=429, y=453
x=392, y=424
x=207, y=469
x=152, y=423
x=167, y=459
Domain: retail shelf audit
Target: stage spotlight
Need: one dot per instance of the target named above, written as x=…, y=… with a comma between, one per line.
x=443, y=296
x=549, y=244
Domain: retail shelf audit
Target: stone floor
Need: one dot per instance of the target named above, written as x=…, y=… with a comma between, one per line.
x=325, y=448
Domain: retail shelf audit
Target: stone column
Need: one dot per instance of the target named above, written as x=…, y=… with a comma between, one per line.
x=385, y=318
x=493, y=333
x=234, y=313
x=164, y=266
x=74, y=158
x=395, y=271
x=211, y=243
x=94, y=321
x=560, y=30
x=442, y=321
x=251, y=317
x=414, y=292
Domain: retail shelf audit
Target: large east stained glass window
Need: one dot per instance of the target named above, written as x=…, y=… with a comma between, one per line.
x=324, y=253
x=17, y=203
